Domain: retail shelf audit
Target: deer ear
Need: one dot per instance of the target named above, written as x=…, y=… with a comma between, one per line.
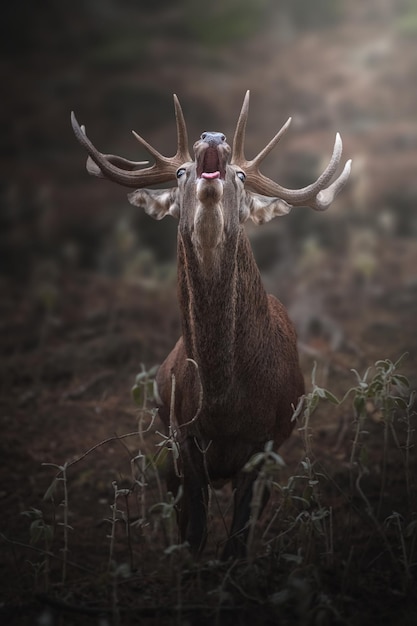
x=156, y=202
x=261, y=209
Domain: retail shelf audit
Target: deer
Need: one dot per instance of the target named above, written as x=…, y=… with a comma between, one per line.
x=232, y=382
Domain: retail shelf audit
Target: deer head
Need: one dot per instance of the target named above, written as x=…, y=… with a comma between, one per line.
x=220, y=188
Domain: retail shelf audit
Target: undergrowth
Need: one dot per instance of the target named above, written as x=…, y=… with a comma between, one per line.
x=338, y=527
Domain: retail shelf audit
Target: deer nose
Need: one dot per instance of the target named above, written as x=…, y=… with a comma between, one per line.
x=213, y=139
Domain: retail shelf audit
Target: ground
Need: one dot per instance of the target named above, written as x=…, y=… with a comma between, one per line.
x=72, y=349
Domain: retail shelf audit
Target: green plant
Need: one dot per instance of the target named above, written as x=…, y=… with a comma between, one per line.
x=307, y=405
x=40, y=532
x=318, y=510
x=165, y=514
x=406, y=21
x=386, y=392
x=267, y=464
x=304, y=520
x=61, y=478
x=118, y=515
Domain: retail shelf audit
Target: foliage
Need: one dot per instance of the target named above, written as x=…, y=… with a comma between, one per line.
x=317, y=14
x=221, y=22
x=407, y=20
x=322, y=539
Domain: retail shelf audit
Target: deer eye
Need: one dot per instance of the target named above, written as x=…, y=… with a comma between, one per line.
x=241, y=176
x=180, y=172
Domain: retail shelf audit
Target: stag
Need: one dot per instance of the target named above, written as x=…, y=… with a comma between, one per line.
x=232, y=381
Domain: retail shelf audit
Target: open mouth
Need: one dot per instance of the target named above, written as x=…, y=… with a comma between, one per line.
x=211, y=154
x=208, y=164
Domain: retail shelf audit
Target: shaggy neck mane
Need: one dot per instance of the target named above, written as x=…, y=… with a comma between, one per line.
x=222, y=312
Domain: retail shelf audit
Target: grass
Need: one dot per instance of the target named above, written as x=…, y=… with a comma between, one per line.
x=337, y=543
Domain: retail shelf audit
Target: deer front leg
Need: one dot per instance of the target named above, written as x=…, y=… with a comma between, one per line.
x=192, y=507
x=193, y=519
x=236, y=545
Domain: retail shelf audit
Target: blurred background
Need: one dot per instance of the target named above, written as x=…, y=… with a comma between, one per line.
x=87, y=281
x=332, y=65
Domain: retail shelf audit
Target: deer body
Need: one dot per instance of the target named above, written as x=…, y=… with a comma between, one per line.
x=233, y=379
x=243, y=393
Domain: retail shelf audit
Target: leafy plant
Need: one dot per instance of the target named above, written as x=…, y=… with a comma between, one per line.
x=311, y=524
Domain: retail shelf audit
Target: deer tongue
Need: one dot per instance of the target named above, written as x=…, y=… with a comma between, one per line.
x=210, y=175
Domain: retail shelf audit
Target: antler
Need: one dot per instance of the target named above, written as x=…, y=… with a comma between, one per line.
x=316, y=195
x=126, y=172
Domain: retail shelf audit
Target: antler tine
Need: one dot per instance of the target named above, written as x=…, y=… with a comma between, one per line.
x=238, y=151
x=325, y=197
x=119, y=161
x=182, y=136
x=125, y=164
x=271, y=145
x=159, y=158
x=307, y=196
x=182, y=155
x=103, y=162
x=126, y=172
x=316, y=195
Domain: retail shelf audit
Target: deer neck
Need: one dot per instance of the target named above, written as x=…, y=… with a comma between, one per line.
x=221, y=300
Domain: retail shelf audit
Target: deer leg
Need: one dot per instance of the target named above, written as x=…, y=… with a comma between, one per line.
x=236, y=545
x=193, y=522
x=173, y=483
x=192, y=507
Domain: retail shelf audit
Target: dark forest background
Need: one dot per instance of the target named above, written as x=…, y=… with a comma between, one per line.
x=87, y=296
x=333, y=66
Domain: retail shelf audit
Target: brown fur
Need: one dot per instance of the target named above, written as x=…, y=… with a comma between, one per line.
x=245, y=347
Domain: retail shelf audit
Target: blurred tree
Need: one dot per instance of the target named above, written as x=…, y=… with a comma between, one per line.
x=305, y=14
x=223, y=21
